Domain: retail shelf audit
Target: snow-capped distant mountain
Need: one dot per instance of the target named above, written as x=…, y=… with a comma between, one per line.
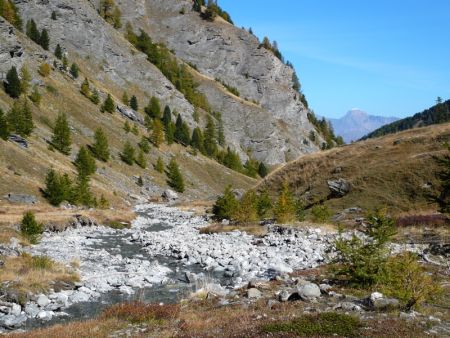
x=357, y=123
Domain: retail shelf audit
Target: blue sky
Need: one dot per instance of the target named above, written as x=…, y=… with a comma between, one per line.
x=387, y=57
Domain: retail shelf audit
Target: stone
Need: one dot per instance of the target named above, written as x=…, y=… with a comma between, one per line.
x=348, y=306
x=16, y=309
x=31, y=309
x=79, y=297
x=339, y=187
x=126, y=290
x=13, y=322
x=375, y=296
x=19, y=140
x=309, y=291
x=169, y=195
x=254, y=293
x=385, y=304
x=21, y=198
x=45, y=315
x=42, y=300
x=325, y=287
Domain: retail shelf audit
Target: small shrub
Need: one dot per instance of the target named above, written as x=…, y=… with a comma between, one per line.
x=324, y=324
x=285, y=207
x=44, y=69
x=159, y=166
x=42, y=263
x=35, y=96
x=137, y=312
x=29, y=227
x=321, y=213
x=226, y=205
x=405, y=279
x=128, y=154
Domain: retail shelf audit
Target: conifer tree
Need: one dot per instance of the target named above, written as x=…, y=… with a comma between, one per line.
x=134, y=103
x=196, y=116
x=182, y=132
x=30, y=228
x=4, y=129
x=127, y=154
x=135, y=130
x=264, y=205
x=226, y=205
x=32, y=31
x=26, y=79
x=170, y=133
x=232, y=160
x=220, y=130
x=61, y=139
x=174, y=176
x=74, y=71
x=247, y=211
x=44, y=69
x=57, y=188
x=443, y=199
x=54, y=16
x=210, y=138
x=140, y=160
x=251, y=168
x=65, y=62
x=108, y=105
x=85, y=163
x=44, y=39
x=20, y=119
x=9, y=11
x=82, y=192
x=58, y=52
x=153, y=108
x=167, y=117
x=100, y=148
x=285, y=210
x=262, y=170
x=197, y=141
x=85, y=88
x=125, y=99
x=144, y=145
x=12, y=85
x=157, y=136
x=95, y=97
x=159, y=166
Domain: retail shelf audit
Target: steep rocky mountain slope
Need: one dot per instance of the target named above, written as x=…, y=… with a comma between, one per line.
x=23, y=169
x=398, y=171
x=439, y=113
x=357, y=123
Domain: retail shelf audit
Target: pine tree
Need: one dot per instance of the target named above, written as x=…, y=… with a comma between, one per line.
x=197, y=6
x=44, y=39
x=226, y=205
x=262, y=170
x=157, y=136
x=54, y=16
x=167, y=117
x=220, y=130
x=197, y=141
x=100, y=148
x=232, y=160
x=26, y=79
x=4, y=129
x=140, y=160
x=85, y=88
x=95, y=97
x=264, y=205
x=196, y=116
x=211, y=11
x=159, y=166
x=174, y=176
x=251, y=168
x=153, y=108
x=210, y=138
x=9, y=11
x=144, y=145
x=12, y=85
x=58, y=52
x=182, y=132
x=57, y=188
x=134, y=103
x=65, y=62
x=108, y=105
x=61, y=139
x=32, y=31
x=170, y=133
x=127, y=154
x=85, y=163
x=285, y=210
x=74, y=71
x=126, y=127
x=29, y=227
x=35, y=96
x=247, y=211
x=443, y=199
x=125, y=99
x=82, y=193
x=20, y=119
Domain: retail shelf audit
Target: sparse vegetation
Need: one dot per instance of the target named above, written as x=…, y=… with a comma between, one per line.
x=30, y=228
x=320, y=213
x=128, y=153
x=111, y=13
x=9, y=11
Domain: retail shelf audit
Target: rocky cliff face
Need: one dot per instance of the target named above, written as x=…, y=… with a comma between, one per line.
x=268, y=119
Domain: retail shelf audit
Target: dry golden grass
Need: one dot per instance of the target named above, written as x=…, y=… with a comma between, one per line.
x=391, y=172
x=35, y=274
x=256, y=230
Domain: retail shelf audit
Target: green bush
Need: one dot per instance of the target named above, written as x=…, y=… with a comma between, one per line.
x=323, y=324
x=360, y=260
x=405, y=279
x=30, y=228
x=321, y=213
x=226, y=205
x=247, y=210
x=58, y=188
x=128, y=154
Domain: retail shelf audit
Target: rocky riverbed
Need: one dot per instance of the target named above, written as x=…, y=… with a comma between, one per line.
x=163, y=248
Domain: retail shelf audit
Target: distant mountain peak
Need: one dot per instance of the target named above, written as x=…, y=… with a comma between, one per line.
x=356, y=123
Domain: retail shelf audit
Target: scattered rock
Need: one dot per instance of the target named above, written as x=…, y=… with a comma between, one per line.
x=42, y=300
x=19, y=140
x=31, y=309
x=339, y=187
x=254, y=293
x=169, y=195
x=21, y=198
x=309, y=291
x=16, y=309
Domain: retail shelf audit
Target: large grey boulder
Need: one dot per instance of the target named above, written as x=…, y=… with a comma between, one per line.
x=339, y=187
x=309, y=291
x=21, y=198
x=42, y=300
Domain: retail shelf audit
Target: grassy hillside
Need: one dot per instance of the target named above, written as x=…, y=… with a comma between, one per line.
x=396, y=171
x=23, y=170
x=439, y=113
